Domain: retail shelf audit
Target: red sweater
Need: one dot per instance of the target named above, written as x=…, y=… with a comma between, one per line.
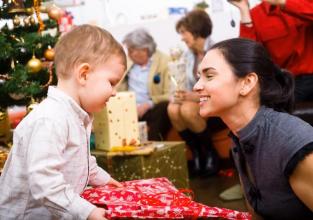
x=287, y=33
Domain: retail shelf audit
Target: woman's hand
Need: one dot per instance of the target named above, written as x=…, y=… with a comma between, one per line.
x=182, y=96
x=192, y=96
x=244, y=8
x=179, y=96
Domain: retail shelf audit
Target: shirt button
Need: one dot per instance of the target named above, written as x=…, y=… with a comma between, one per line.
x=248, y=148
x=235, y=149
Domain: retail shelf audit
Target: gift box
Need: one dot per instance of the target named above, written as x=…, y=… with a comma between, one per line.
x=168, y=159
x=117, y=124
x=154, y=199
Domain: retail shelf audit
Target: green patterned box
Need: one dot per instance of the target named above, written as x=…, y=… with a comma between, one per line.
x=167, y=161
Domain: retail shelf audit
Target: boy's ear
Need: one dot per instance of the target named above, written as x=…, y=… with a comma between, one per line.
x=83, y=73
x=249, y=82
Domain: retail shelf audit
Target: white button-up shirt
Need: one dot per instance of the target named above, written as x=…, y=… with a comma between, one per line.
x=50, y=163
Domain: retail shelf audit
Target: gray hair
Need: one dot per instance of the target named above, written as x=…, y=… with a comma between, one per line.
x=140, y=39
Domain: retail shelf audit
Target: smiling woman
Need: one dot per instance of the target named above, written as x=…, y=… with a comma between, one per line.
x=240, y=83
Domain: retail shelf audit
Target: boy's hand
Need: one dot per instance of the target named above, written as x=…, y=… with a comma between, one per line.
x=97, y=214
x=115, y=183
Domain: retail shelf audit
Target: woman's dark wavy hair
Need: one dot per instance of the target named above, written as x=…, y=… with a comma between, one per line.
x=246, y=56
x=197, y=22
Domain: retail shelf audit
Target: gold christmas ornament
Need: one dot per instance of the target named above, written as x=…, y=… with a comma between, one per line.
x=49, y=53
x=5, y=133
x=27, y=21
x=16, y=6
x=33, y=104
x=43, y=9
x=29, y=11
x=31, y=107
x=3, y=115
x=39, y=45
x=54, y=12
x=32, y=20
x=34, y=65
x=12, y=64
x=16, y=21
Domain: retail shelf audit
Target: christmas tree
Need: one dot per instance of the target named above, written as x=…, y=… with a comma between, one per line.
x=26, y=55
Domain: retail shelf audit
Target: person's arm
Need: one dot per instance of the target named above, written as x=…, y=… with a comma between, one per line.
x=302, y=9
x=244, y=9
x=301, y=181
x=246, y=23
x=47, y=183
x=97, y=176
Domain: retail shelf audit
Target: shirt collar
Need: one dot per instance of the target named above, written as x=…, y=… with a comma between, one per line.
x=144, y=67
x=59, y=95
x=246, y=134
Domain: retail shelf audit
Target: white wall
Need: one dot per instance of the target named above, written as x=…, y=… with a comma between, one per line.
x=122, y=16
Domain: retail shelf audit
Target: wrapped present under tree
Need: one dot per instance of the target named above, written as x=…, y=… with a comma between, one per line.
x=168, y=161
x=154, y=199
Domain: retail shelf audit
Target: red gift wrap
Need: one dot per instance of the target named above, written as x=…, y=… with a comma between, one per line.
x=154, y=199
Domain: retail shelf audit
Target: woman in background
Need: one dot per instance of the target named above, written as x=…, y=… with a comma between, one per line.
x=195, y=30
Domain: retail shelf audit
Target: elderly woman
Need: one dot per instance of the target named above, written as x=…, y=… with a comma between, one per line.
x=147, y=75
x=195, y=29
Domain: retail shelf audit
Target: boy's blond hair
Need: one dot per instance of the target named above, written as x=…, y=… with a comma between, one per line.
x=85, y=44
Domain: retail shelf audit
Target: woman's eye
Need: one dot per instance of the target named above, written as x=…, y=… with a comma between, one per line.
x=208, y=76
